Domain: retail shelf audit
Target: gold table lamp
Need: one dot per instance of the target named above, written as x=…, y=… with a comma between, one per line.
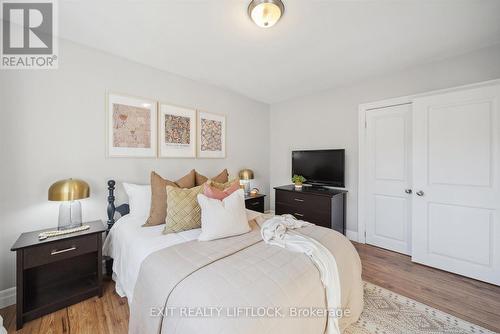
x=68, y=192
x=245, y=176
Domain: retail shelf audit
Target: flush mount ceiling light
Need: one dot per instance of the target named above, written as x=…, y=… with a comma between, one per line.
x=265, y=13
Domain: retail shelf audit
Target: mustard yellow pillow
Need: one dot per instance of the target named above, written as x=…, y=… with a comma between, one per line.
x=184, y=212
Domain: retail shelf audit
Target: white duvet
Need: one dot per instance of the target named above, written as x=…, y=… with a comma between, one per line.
x=128, y=243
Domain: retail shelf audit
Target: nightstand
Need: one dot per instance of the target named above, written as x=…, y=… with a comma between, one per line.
x=58, y=271
x=255, y=203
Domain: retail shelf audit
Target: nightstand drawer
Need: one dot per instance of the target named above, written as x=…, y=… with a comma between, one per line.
x=57, y=272
x=59, y=250
x=255, y=204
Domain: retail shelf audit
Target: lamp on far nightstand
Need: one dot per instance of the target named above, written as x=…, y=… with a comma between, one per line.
x=68, y=192
x=245, y=176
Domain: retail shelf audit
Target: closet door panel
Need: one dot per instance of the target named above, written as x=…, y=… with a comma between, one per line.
x=455, y=222
x=460, y=143
x=389, y=178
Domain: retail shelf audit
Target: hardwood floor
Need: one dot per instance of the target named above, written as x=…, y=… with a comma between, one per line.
x=108, y=314
x=462, y=297
x=465, y=298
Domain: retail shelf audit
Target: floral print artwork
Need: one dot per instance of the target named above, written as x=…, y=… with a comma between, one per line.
x=131, y=126
x=211, y=135
x=177, y=130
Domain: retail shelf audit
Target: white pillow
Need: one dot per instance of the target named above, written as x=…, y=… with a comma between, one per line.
x=220, y=219
x=139, y=199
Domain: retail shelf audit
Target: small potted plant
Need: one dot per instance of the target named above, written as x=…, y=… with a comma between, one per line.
x=298, y=180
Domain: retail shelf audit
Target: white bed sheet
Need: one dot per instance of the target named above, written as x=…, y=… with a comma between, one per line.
x=128, y=243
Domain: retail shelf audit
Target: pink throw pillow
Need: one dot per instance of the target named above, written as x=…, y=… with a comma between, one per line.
x=212, y=192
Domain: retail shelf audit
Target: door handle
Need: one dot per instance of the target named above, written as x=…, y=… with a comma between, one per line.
x=408, y=191
x=298, y=214
x=298, y=200
x=420, y=193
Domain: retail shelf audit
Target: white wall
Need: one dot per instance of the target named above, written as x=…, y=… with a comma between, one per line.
x=329, y=119
x=53, y=127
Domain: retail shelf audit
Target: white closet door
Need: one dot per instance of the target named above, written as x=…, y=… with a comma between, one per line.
x=456, y=224
x=389, y=178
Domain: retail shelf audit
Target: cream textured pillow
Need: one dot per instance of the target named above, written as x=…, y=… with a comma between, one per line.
x=221, y=219
x=183, y=212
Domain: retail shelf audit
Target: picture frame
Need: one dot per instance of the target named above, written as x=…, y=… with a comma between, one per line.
x=211, y=135
x=176, y=131
x=131, y=126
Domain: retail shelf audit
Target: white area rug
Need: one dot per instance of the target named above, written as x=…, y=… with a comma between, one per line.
x=386, y=312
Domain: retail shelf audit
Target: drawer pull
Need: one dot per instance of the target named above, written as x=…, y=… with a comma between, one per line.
x=55, y=251
x=255, y=203
x=298, y=214
x=298, y=200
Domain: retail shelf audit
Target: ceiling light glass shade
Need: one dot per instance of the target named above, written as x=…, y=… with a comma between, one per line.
x=265, y=13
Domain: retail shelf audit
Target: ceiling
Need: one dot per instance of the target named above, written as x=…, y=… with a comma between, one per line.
x=318, y=44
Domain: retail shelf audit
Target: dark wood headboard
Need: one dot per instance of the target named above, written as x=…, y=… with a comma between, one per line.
x=122, y=209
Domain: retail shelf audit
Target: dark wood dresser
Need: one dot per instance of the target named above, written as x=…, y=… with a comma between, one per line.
x=321, y=206
x=58, y=271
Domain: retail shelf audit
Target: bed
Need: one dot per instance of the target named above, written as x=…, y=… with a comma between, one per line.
x=177, y=284
x=129, y=244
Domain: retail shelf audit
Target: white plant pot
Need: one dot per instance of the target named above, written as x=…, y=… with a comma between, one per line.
x=298, y=187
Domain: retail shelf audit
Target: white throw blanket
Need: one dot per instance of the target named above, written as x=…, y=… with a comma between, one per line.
x=2, y=329
x=277, y=231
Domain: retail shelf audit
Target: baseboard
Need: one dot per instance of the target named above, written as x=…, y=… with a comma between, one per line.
x=7, y=297
x=352, y=235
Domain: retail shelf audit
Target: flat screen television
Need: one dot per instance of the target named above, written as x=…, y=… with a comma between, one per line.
x=320, y=167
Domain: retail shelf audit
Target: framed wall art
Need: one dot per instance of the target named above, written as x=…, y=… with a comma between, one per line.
x=211, y=135
x=131, y=126
x=176, y=132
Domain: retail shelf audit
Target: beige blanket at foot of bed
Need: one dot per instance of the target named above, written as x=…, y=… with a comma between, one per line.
x=242, y=285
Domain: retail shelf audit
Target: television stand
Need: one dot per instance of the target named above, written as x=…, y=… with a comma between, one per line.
x=321, y=206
